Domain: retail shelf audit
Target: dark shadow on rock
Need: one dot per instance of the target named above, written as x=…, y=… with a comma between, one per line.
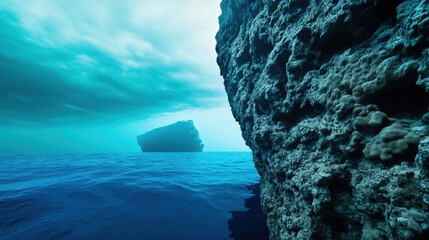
x=252, y=223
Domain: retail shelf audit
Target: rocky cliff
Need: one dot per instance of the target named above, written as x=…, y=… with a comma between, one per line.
x=181, y=136
x=332, y=98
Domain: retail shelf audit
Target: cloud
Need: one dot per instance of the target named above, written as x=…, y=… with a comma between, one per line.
x=71, y=61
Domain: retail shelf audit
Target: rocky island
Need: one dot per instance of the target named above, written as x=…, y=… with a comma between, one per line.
x=332, y=98
x=178, y=137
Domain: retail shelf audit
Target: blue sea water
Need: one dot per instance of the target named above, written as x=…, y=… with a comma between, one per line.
x=124, y=196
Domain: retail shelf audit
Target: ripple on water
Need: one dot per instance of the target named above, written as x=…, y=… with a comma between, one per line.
x=130, y=196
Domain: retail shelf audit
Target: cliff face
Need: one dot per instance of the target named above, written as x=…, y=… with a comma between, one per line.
x=178, y=137
x=332, y=98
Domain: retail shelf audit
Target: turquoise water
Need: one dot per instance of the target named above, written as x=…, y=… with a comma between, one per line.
x=129, y=196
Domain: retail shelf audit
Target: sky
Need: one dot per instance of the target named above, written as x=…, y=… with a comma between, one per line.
x=89, y=76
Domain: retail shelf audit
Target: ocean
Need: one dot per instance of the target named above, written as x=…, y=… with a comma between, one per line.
x=208, y=195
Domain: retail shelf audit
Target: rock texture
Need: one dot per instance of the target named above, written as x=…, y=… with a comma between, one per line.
x=178, y=137
x=332, y=98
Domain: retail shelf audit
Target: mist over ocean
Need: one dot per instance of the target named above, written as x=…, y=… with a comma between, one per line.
x=130, y=196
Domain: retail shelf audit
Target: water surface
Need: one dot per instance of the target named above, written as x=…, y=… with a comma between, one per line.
x=129, y=196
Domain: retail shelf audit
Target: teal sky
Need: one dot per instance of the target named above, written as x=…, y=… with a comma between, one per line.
x=88, y=76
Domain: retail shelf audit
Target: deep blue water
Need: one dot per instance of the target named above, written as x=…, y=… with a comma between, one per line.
x=136, y=196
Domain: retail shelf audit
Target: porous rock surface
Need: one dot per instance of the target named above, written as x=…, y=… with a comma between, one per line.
x=332, y=98
x=181, y=136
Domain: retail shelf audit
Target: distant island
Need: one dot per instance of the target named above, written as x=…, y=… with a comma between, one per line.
x=181, y=136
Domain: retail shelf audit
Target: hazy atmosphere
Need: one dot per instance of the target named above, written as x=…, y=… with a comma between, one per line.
x=89, y=76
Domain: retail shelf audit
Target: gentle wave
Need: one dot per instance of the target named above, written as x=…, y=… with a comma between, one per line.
x=129, y=196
